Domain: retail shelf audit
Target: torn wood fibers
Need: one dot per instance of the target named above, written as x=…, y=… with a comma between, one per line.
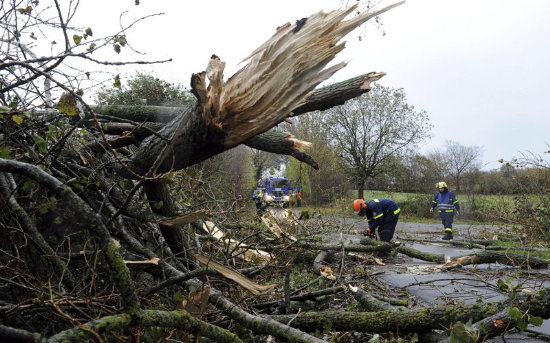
x=279, y=76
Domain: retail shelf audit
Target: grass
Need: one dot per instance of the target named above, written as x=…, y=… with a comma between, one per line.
x=516, y=245
x=475, y=208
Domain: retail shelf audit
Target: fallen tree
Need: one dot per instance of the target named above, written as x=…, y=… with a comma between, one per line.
x=95, y=238
x=62, y=194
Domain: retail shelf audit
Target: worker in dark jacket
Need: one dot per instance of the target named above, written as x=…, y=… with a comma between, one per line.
x=446, y=203
x=382, y=214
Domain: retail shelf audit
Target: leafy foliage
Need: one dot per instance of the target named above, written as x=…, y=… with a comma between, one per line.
x=144, y=89
x=373, y=132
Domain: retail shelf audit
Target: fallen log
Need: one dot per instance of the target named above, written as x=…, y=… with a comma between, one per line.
x=381, y=248
x=437, y=258
x=368, y=302
x=179, y=319
x=410, y=321
x=469, y=245
x=507, y=258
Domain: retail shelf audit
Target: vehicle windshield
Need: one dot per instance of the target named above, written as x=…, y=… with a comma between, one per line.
x=279, y=183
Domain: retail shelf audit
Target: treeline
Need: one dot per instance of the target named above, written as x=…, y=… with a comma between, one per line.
x=367, y=143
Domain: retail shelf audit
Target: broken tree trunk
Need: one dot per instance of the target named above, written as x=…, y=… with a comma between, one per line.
x=140, y=122
x=284, y=144
x=280, y=75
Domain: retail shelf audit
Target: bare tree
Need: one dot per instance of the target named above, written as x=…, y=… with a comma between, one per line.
x=373, y=131
x=461, y=160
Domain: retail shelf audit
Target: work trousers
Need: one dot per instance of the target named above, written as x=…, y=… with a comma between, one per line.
x=447, y=220
x=386, y=230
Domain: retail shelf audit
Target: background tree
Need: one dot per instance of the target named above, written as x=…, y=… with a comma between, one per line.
x=372, y=132
x=461, y=160
x=263, y=161
x=227, y=174
x=145, y=89
x=330, y=181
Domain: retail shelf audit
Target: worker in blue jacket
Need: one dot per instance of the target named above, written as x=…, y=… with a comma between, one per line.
x=382, y=214
x=446, y=203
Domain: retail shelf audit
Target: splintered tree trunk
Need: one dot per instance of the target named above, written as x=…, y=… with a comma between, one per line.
x=278, y=79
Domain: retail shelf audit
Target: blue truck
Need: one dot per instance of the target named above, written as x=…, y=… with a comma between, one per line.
x=279, y=191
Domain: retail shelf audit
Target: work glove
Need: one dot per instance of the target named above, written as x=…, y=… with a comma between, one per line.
x=431, y=210
x=457, y=213
x=368, y=232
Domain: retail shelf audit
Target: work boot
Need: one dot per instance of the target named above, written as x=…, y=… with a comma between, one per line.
x=448, y=235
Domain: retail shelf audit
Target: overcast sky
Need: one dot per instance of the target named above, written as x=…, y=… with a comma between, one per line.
x=480, y=68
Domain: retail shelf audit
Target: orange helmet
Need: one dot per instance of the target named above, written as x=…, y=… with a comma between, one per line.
x=358, y=204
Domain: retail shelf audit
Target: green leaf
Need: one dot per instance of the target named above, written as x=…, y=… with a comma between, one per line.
x=459, y=333
x=27, y=10
x=120, y=40
x=67, y=105
x=515, y=313
x=91, y=48
x=158, y=205
x=178, y=297
x=77, y=39
x=536, y=321
x=5, y=152
x=522, y=325
x=38, y=139
x=117, y=83
x=17, y=119
x=88, y=32
x=27, y=186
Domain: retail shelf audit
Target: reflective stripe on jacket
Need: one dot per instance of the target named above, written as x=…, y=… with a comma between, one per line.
x=445, y=201
x=379, y=210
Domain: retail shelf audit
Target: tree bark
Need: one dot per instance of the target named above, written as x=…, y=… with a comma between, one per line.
x=507, y=258
x=179, y=319
x=420, y=255
x=369, y=303
x=385, y=321
x=338, y=93
x=162, y=203
x=284, y=144
x=188, y=120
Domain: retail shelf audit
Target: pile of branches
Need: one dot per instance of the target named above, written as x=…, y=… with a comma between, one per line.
x=93, y=243
x=89, y=223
